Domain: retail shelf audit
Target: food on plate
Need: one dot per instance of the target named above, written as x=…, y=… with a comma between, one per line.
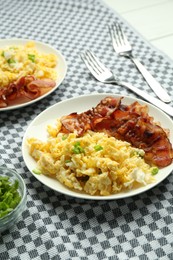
x=110, y=148
x=25, y=72
x=130, y=123
x=94, y=163
x=9, y=195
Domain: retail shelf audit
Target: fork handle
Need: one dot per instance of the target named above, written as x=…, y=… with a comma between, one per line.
x=152, y=82
x=155, y=101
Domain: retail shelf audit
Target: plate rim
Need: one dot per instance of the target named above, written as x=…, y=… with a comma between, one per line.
x=79, y=195
x=58, y=54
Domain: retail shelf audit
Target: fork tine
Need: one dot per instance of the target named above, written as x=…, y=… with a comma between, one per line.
x=96, y=61
x=88, y=63
x=93, y=61
x=117, y=35
x=113, y=34
x=121, y=33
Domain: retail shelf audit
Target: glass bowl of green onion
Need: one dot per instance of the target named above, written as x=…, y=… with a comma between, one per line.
x=12, y=197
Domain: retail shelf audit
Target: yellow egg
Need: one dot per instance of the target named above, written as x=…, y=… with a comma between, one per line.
x=94, y=163
x=17, y=61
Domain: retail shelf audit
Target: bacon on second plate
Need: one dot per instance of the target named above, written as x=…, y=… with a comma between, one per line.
x=26, y=86
x=129, y=123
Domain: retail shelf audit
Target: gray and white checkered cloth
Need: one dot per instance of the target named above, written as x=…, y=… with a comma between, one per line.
x=55, y=226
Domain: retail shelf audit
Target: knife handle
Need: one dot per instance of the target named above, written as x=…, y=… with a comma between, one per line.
x=152, y=82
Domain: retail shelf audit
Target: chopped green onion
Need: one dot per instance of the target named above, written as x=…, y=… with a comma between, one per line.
x=11, y=61
x=9, y=195
x=31, y=57
x=154, y=170
x=64, y=137
x=36, y=171
x=137, y=152
x=98, y=147
x=2, y=54
x=77, y=149
x=67, y=161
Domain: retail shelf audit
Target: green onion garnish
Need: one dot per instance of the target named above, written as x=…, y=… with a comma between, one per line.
x=98, y=147
x=11, y=61
x=36, y=171
x=77, y=149
x=31, y=57
x=9, y=195
x=154, y=170
x=64, y=137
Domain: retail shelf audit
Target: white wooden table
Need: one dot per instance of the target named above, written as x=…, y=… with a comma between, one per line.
x=151, y=18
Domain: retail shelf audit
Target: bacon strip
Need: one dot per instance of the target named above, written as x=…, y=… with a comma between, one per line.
x=128, y=123
x=27, y=86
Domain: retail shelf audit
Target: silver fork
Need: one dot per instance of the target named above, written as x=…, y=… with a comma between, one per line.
x=122, y=46
x=103, y=74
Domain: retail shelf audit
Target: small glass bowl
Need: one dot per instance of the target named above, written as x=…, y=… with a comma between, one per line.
x=10, y=219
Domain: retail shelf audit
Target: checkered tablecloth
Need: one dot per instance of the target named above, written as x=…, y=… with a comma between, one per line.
x=55, y=226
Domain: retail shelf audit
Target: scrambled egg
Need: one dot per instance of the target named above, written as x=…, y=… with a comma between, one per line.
x=18, y=61
x=94, y=163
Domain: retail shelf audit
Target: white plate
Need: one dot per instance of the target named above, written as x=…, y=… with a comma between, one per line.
x=80, y=104
x=44, y=48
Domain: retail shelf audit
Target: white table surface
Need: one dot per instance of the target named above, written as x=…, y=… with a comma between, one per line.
x=151, y=18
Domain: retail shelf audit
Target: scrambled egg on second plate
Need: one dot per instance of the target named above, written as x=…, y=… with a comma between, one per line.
x=23, y=60
x=94, y=163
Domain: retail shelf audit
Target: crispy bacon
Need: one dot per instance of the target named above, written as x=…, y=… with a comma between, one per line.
x=129, y=123
x=2, y=103
x=27, y=86
x=74, y=122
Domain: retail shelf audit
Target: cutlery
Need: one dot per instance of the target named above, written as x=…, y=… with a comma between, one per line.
x=103, y=74
x=122, y=46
